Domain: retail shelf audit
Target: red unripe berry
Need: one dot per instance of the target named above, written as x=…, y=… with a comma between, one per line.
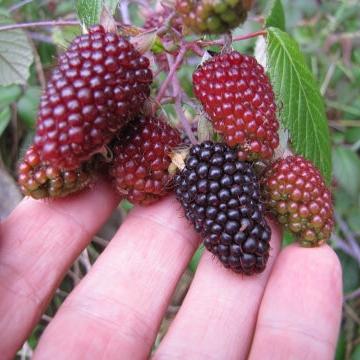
x=141, y=159
x=237, y=96
x=296, y=194
x=99, y=84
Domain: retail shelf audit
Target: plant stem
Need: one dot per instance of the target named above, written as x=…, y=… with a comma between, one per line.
x=171, y=73
x=178, y=94
x=39, y=24
x=203, y=43
x=184, y=121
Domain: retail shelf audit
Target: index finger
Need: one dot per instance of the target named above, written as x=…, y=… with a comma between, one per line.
x=39, y=242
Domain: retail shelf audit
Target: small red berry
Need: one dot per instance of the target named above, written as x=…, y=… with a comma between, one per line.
x=40, y=180
x=142, y=158
x=237, y=96
x=296, y=194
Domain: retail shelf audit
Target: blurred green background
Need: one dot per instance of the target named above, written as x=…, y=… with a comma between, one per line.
x=329, y=35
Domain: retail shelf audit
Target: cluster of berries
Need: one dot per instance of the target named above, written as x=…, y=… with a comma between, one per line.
x=222, y=193
x=94, y=103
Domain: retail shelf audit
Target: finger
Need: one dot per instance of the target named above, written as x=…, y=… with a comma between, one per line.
x=118, y=307
x=219, y=312
x=300, y=313
x=39, y=242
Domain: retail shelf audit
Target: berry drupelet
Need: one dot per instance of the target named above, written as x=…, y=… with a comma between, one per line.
x=298, y=197
x=100, y=83
x=142, y=158
x=237, y=96
x=40, y=180
x=221, y=197
x=212, y=16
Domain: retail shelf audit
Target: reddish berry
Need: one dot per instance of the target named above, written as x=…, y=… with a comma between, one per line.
x=100, y=83
x=220, y=195
x=40, y=180
x=141, y=160
x=237, y=96
x=296, y=194
x=212, y=17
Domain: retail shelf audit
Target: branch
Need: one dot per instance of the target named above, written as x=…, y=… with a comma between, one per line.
x=177, y=92
x=349, y=236
x=171, y=73
x=236, y=38
x=39, y=24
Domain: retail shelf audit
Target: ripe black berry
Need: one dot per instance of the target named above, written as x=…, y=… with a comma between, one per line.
x=220, y=195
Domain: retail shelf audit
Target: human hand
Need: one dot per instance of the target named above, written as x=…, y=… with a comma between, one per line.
x=291, y=311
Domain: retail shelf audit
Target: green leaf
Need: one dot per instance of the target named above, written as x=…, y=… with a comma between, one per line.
x=288, y=238
x=63, y=36
x=111, y=5
x=347, y=170
x=5, y=116
x=276, y=15
x=89, y=11
x=28, y=105
x=341, y=347
x=9, y=94
x=351, y=274
x=301, y=106
x=196, y=258
x=356, y=354
x=15, y=56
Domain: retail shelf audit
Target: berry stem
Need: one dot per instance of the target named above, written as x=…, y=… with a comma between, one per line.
x=184, y=121
x=171, y=74
x=178, y=94
x=166, y=26
x=203, y=43
x=39, y=24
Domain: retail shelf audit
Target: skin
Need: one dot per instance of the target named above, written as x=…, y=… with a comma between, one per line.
x=291, y=311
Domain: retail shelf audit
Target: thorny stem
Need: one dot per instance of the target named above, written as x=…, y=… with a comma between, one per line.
x=203, y=43
x=227, y=42
x=179, y=111
x=171, y=73
x=352, y=295
x=39, y=24
x=349, y=236
x=167, y=25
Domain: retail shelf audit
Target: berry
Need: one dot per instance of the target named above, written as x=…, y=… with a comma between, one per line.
x=40, y=180
x=213, y=16
x=237, y=96
x=298, y=197
x=221, y=197
x=100, y=83
x=141, y=159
